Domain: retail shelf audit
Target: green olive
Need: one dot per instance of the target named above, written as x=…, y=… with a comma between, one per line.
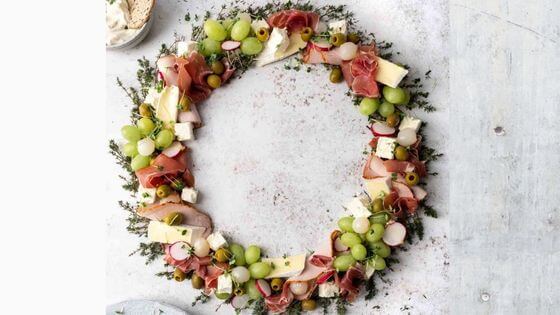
x=239, y=291
x=184, y=103
x=197, y=282
x=177, y=184
x=336, y=75
x=262, y=34
x=163, y=191
x=214, y=81
x=338, y=39
x=144, y=110
x=222, y=296
x=393, y=120
x=401, y=153
x=354, y=38
x=276, y=284
x=222, y=255
x=411, y=178
x=218, y=67
x=308, y=305
x=179, y=275
x=378, y=205
x=174, y=218
x=306, y=34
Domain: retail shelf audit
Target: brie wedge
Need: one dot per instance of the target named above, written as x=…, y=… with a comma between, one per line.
x=280, y=46
x=378, y=187
x=166, y=109
x=389, y=73
x=169, y=234
x=285, y=267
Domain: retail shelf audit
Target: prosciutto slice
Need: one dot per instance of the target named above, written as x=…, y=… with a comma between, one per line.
x=162, y=170
x=294, y=20
x=278, y=303
x=191, y=215
x=374, y=168
x=394, y=166
x=211, y=276
x=361, y=71
x=351, y=281
x=313, y=55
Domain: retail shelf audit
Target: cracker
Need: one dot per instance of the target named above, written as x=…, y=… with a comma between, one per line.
x=140, y=11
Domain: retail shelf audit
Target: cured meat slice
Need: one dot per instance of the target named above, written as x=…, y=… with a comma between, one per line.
x=162, y=170
x=191, y=215
x=294, y=20
x=351, y=281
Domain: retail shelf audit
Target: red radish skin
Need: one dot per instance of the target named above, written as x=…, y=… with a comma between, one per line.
x=173, y=149
x=180, y=251
x=230, y=45
x=381, y=129
x=263, y=287
x=323, y=278
x=395, y=234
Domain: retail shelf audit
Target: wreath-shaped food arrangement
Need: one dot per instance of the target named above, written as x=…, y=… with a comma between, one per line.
x=164, y=117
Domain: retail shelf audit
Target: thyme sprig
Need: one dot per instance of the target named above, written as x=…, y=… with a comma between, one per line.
x=130, y=180
x=202, y=298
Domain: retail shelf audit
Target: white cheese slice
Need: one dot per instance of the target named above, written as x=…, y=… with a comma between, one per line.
x=152, y=97
x=328, y=290
x=189, y=194
x=338, y=27
x=216, y=241
x=185, y=48
x=358, y=206
x=378, y=187
x=166, y=109
x=258, y=24
x=386, y=147
x=270, y=54
x=285, y=267
x=389, y=73
x=225, y=284
x=184, y=131
x=410, y=122
x=169, y=234
x=146, y=195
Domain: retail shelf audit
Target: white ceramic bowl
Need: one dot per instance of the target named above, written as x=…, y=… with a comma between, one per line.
x=138, y=38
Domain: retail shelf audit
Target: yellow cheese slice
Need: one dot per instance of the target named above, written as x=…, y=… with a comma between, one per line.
x=378, y=187
x=285, y=267
x=163, y=233
x=296, y=43
x=389, y=73
x=167, y=109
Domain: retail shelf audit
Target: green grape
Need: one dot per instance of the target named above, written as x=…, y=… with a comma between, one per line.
x=359, y=252
x=380, y=248
x=214, y=30
x=131, y=133
x=381, y=218
x=164, y=139
x=251, y=289
x=375, y=232
x=343, y=262
x=350, y=239
x=394, y=95
x=145, y=125
x=379, y=263
x=386, y=109
x=240, y=30
x=228, y=24
x=210, y=46
x=368, y=106
x=139, y=162
x=238, y=254
x=345, y=224
x=251, y=46
x=406, y=99
x=130, y=149
x=260, y=270
x=252, y=254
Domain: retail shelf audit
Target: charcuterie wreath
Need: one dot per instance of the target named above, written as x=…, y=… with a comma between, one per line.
x=375, y=224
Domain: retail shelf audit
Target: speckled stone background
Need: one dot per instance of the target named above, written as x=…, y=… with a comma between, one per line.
x=281, y=151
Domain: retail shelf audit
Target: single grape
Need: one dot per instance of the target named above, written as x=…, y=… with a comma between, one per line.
x=368, y=106
x=259, y=270
x=375, y=232
x=240, y=274
x=214, y=30
x=386, y=109
x=343, y=262
x=145, y=125
x=345, y=224
x=380, y=248
x=252, y=254
x=131, y=133
x=360, y=225
x=146, y=146
x=359, y=252
x=406, y=137
x=238, y=254
x=348, y=51
x=139, y=162
x=379, y=263
x=251, y=46
x=201, y=247
x=394, y=95
x=164, y=139
x=209, y=47
x=350, y=239
x=251, y=289
x=299, y=288
x=240, y=30
x=130, y=150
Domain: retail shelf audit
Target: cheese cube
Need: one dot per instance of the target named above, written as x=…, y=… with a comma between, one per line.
x=189, y=195
x=370, y=268
x=184, y=131
x=285, y=267
x=338, y=27
x=258, y=24
x=410, y=122
x=216, y=241
x=166, y=109
x=378, y=187
x=389, y=73
x=185, y=48
x=328, y=290
x=169, y=234
x=359, y=207
x=386, y=147
x=146, y=195
x=225, y=284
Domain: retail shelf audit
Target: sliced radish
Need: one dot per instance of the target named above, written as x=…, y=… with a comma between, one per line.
x=173, y=149
x=230, y=45
x=263, y=287
x=321, y=45
x=324, y=277
x=394, y=235
x=338, y=246
x=381, y=129
x=240, y=301
x=180, y=251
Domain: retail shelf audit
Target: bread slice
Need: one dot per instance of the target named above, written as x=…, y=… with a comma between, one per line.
x=140, y=11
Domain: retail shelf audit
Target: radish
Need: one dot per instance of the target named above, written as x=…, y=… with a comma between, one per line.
x=230, y=45
x=338, y=246
x=381, y=129
x=326, y=276
x=394, y=235
x=264, y=287
x=321, y=45
x=173, y=149
x=240, y=301
x=180, y=251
